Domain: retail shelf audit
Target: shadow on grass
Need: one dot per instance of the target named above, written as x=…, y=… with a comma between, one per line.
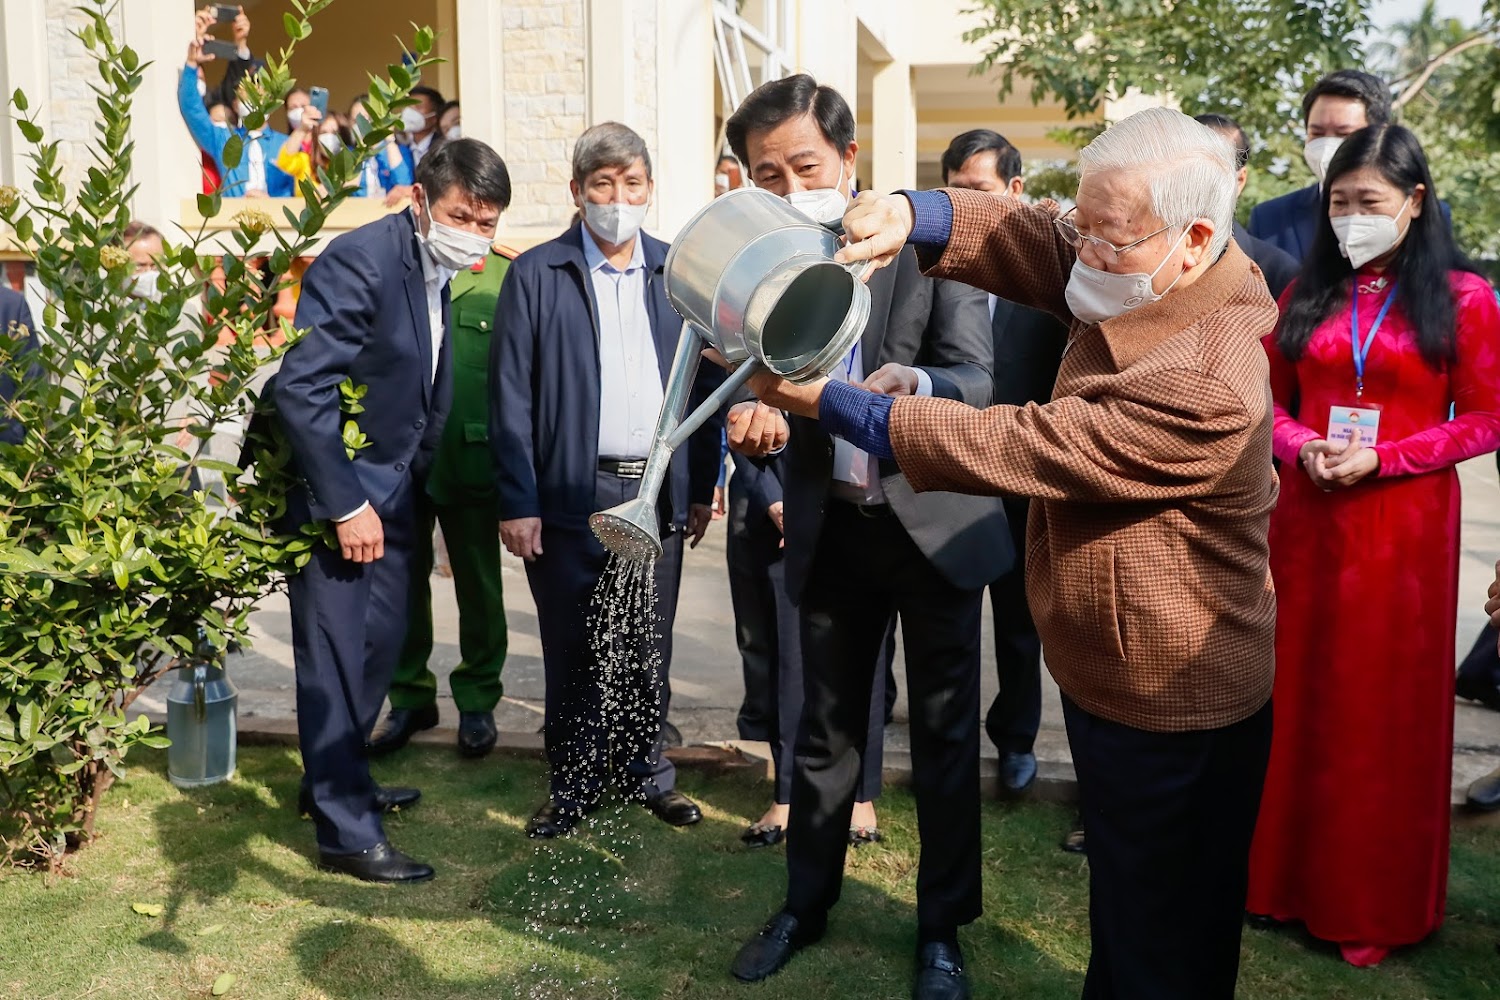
x=629, y=908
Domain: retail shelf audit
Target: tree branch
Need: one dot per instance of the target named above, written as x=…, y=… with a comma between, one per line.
x=1415, y=87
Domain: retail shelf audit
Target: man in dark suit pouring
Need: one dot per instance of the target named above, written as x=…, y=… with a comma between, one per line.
x=374, y=307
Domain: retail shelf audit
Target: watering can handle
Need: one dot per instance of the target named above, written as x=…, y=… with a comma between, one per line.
x=861, y=269
x=726, y=391
x=200, y=693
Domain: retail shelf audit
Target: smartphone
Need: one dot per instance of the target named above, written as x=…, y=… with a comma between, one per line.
x=318, y=98
x=226, y=12
x=220, y=49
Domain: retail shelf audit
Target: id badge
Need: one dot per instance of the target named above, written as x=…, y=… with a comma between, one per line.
x=1343, y=421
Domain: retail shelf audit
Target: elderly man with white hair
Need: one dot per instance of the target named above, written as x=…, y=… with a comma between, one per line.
x=1150, y=472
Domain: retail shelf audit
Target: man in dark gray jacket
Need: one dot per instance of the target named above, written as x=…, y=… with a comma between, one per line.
x=861, y=547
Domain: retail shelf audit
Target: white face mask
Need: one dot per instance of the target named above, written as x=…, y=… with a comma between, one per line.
x=1362, y=238
x=1095, y=296
x=451, y=248
x=331, y=142
x=822, y=205
x=616, y=223
x=1319, y=153
x=242, y=109
x=454, y=133
x=144, y=286
x=294, y=118
x=721, y=181
x=413, y=120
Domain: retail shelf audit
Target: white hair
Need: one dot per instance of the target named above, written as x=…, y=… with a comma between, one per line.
x=1190, y=168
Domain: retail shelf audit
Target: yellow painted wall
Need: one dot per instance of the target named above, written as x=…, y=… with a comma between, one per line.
x=350, y=39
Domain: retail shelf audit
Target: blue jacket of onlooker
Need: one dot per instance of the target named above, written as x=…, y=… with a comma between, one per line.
x=211, y=139
x=386, y=176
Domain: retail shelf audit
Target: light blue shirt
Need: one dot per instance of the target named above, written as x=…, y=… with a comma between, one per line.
x=630, y=389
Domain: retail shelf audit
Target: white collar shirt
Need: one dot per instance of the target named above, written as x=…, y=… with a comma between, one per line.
x=630, y=384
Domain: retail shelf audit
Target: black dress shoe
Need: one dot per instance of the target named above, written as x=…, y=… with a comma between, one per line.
x=554, y=819
x=1075, y=842
x=671, y=736
x=756, y=835
x=381, y=863
x=1484, y=793
x=476, y=733
x=765, y=954
x=940, y=973
x=674, y=809
x=1475, y=689
x=1017, y=771
x=400, y=725
x=386, y=799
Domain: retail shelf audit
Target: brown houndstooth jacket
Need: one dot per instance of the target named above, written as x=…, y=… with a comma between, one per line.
x=1146, y=563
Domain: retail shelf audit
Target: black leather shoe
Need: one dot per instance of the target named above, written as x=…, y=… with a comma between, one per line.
x=940, y=973
x=476, y=733
x=765, y=954
x=756, y=835
x=1017, y=771
x=674, y=809
x=381, y=863
x=1484, y=793
x=400, y=725
x=1075, y=842
x=386, y=799
x=1473, y=689
x=554, y=819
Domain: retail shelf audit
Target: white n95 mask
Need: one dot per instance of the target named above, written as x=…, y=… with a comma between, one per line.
x=1318, y=154
x=1095, y=296
x=1362, y=238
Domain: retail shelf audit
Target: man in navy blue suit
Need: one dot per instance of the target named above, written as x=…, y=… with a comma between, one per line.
x=1340, y=104
x=374, y=307
x=19, y=335
x=584, y=338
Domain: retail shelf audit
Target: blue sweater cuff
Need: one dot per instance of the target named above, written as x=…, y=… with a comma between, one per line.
x=858, y=416
x=932, y=218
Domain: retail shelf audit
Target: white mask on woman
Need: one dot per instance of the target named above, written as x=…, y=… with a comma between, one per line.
x=1095, y=296
x=1363, y=238
x=454, y=133
x=294, y=118
x=331, y=142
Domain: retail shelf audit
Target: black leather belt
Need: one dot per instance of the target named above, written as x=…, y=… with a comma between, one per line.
x=625, y=468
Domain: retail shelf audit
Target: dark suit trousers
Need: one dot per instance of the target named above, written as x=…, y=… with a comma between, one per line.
x=768, y=627
x=348, y=620
x=865, y=570
x=1482, y=665
x=1016, y=713
x=583, y=721
x=1169, y=818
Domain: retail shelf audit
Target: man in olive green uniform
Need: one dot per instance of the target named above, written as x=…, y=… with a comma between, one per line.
x=461, y=498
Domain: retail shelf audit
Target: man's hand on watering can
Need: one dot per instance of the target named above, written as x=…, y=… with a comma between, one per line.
x=755, y=429
x=522, y=537
x=892, y=380
x=876, y=226
x=700, y=516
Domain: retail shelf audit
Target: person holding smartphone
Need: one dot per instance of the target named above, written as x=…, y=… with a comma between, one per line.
x=256, y=174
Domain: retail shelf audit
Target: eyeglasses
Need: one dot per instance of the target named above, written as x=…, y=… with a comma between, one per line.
x=1106, y=250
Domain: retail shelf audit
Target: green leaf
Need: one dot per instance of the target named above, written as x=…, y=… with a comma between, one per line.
x=148, y=909
x=234, y=150
x=129, y=59
x=225, y=981
x=120, y=573
x=31, y=721
x=208, y=205
x=24, y=228
x=30, y=130
x=211, y=929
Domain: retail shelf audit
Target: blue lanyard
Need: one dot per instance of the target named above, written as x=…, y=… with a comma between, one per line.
x=849, y=362
x=1362, y=351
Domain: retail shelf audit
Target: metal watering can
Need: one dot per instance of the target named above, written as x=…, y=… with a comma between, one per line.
x=755, y=278
x=201, y=722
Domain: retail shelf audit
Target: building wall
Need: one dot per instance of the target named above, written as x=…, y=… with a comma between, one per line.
x=71, y=69
x=543, y=45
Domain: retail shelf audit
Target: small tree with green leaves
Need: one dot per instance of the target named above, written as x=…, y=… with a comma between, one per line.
x=111, y=565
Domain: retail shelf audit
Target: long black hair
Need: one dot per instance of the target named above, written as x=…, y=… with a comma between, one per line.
x=1421, y=265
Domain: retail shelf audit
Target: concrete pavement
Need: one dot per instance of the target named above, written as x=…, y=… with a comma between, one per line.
x=706, y=680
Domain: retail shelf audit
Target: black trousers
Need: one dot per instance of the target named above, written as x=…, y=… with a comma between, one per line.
x=1169, y=817
x=1482, y=666
x=768, y=629
x=1016, y=713
x=579, y=732
x=865, y=570
x=348, y=620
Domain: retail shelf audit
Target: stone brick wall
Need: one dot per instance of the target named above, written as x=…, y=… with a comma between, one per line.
x=71, y=69
x=546, y=105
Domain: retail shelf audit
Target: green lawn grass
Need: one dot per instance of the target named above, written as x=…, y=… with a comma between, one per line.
x=666, y=908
